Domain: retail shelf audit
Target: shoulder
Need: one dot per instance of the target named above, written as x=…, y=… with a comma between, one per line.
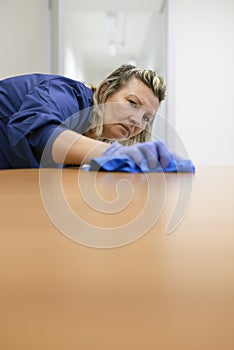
x=35, y=79
x=66, y=81
x=64, y=88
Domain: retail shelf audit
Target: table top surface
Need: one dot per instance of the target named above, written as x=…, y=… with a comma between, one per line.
x=116, y=261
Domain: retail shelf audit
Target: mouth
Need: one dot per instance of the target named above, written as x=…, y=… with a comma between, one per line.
x=127, y=128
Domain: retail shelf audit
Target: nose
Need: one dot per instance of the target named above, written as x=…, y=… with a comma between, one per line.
x=136, y=120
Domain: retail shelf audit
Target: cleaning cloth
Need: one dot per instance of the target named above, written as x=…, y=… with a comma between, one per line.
x=123, y=163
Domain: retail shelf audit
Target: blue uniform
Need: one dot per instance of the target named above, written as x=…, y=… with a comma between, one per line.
x=35, y=108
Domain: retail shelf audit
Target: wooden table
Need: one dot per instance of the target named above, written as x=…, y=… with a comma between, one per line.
x=152, y=290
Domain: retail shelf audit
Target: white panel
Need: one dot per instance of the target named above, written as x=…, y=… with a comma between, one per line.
x=24, y=37
x=57, y=33
x=203, y=79
x=120, y=5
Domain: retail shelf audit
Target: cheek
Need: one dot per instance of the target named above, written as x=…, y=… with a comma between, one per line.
x=115, y=112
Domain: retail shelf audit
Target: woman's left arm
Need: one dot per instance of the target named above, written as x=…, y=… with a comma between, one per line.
x=70, y=147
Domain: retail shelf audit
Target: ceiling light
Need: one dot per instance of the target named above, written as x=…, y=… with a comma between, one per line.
x=112, y=48
x=111, y=23
x=132, y=61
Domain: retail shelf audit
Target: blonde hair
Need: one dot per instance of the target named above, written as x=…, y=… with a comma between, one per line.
x=115, y=81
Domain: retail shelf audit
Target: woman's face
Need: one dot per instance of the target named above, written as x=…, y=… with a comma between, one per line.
x=129, y=110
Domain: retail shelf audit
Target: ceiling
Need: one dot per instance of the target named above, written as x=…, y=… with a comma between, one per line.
x=113, y=5
x=105, y=34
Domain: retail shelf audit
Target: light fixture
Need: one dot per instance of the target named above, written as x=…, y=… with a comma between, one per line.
x=111, y=28
x=132, y=61
x=111, y=22
x=112, y=48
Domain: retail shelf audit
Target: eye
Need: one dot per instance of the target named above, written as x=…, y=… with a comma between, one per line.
x=146, y=118
x=132, y=103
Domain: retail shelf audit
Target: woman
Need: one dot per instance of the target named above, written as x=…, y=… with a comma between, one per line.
x=69, y=123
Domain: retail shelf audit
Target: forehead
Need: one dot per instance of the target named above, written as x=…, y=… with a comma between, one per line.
x=135, y=86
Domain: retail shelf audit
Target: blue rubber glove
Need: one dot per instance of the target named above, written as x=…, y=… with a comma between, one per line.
x=155, y=152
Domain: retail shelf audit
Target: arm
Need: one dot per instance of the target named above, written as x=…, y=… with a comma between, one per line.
x=73, y=148
x=46, y=112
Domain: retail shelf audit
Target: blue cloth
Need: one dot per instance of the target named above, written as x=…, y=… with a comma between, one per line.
x=125, y=164
x=35, y=108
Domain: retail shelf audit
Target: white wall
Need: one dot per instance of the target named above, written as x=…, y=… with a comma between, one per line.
x=201, y=78
x=24, y=37
x=154, y=57
x=73, y=56
x=200, y=71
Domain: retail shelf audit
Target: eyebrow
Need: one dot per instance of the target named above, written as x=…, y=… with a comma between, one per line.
x=133, y=95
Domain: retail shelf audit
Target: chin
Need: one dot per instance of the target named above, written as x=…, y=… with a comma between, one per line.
x=117, y=137
x=122, y=138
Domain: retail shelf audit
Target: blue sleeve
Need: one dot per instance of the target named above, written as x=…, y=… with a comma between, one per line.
x=43, y=115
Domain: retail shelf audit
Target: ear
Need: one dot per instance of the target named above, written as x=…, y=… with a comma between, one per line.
x=101, y=91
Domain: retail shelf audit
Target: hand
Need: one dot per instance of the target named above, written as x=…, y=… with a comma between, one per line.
x=155, y=152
